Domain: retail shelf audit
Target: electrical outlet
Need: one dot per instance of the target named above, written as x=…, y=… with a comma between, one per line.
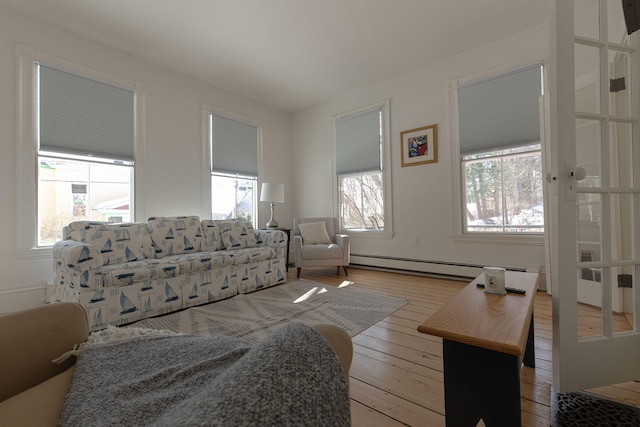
x=417, y=243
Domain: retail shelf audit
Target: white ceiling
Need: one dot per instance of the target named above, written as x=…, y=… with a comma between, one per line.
x=290, y=54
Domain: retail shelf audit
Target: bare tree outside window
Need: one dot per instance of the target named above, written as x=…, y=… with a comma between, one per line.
x=362, y=201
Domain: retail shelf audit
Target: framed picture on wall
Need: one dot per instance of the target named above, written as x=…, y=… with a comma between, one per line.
x=419, y=146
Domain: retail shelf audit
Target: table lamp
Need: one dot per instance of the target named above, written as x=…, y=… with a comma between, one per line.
x=272, y=193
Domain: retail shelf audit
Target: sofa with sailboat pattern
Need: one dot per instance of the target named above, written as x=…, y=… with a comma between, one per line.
x=121, y=273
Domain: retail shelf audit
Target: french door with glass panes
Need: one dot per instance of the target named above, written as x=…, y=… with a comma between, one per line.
x=595, y=187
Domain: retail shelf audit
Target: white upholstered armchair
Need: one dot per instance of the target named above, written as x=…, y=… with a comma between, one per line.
x=318, y=243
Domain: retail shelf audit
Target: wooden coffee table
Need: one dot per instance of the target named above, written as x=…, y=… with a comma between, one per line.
x=485, y=340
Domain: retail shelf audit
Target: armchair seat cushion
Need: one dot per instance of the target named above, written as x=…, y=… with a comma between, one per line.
x=317, y=252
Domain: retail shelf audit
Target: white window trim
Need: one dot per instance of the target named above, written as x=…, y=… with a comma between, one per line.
x=27, y=144
x=384, y=105
x=459, y=235
x=207, y=110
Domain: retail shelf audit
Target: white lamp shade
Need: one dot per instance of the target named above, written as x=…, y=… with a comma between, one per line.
x=272, y=193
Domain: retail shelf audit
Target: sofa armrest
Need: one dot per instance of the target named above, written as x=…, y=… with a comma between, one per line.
x=80, y=263
x=30, y=339
x=275, y=238
x=341, y=343
x=71, y=254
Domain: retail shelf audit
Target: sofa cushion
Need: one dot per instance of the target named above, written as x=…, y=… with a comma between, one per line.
x=117, y=243
x=201, y=261
x=238, y=234
x=176, y=235
x=78, y=226
x=248, y=255
x=212, y=235
x=138, y=271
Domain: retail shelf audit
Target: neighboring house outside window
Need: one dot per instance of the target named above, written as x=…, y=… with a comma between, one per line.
x=362, y=160
x=500, y=153
x=234, y=168
x=85, y=141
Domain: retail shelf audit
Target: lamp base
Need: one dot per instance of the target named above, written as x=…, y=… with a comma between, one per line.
x=272, y=222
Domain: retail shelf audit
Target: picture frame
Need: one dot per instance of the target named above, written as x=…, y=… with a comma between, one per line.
x=419, y=146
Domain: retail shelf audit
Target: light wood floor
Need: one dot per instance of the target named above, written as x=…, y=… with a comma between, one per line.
x=396, y=374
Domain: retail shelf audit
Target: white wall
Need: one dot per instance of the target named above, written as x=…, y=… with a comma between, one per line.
x=423, y=196
x=172, y=176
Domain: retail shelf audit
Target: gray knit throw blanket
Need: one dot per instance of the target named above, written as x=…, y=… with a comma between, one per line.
x=293, y=377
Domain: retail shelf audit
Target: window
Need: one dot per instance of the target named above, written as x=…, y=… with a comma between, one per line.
x=503, y=191
x=78, y=132
x=74, y=190
x=361, y=201
x=361, y=163
x=234, y=168
x=85, y=151
x=500, y=153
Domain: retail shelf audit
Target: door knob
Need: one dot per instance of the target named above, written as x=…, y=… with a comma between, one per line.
x=578, y=173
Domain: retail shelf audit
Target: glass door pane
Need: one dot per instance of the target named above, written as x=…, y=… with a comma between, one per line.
x=587, y=77
x=619, y=84
x=588, y=151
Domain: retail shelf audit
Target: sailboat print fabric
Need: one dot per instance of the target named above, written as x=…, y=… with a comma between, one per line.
x=129, y=272
x=121, y=273
x=176, y=235
x=238, y=234
x=212, y=235
x=208, y=286
x=117, y=243
x=118, y=305
x=78, y=265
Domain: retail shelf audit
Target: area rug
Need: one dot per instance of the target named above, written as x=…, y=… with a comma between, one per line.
x=581, y=409
x=253, y=316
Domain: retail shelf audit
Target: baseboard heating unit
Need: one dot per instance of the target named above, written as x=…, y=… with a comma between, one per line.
x=450, y=270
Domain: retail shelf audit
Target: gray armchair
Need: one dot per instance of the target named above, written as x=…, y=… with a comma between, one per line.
x=318, y=243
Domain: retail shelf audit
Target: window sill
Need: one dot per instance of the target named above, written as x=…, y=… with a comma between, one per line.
x=34, y=253
x=501, y=239
x=383, y=235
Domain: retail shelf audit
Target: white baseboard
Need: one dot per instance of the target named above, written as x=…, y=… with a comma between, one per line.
x=17, y=299
x=436, y=268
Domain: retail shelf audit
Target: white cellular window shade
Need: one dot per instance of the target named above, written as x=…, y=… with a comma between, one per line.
x=234, y=147
x=358, y=143
x=85, y=117
x=500, y=112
